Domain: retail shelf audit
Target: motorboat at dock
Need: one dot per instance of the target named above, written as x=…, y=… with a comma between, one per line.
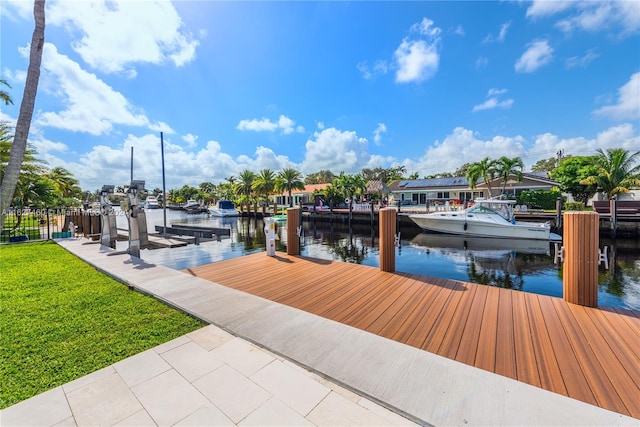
x=224, y=208
x=486, y=218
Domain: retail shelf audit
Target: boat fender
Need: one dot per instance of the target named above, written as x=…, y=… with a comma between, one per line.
x=465, y=226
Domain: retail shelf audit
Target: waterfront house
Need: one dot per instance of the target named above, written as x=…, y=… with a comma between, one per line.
x=441, y=190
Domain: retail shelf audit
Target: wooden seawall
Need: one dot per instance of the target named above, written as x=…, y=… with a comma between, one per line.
x=589, y=354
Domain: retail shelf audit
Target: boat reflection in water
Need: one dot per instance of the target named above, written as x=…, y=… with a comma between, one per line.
x=504, y=263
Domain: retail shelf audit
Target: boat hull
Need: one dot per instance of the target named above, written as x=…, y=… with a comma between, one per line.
x=481, y=228
x=224, y=213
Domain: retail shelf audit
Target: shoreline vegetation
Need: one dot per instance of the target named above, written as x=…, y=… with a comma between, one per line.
x=62, y=319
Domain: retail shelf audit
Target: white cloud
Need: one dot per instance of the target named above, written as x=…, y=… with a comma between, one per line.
x=417, y=59
x=335, y=150
x=377, y=134
x=582, y=61
x=482, y=62
x=459, y=30
x=501, y=35
x=190, y=139
x=91, y=105
x=538, y=53
x=542, y=8
x=285, y=124
x=114, y=35
x=379, y=67
x=593, y=16
x=624, y=136
x=628, y=106
x=462, y=146
x=17, y=10
x=493, y=101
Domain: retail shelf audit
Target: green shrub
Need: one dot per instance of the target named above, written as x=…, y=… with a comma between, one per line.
x=574, y=206
x=540, y=199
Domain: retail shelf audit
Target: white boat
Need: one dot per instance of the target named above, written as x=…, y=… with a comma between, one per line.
x=151, y=202
x=224, y=208
x=191, y=204
x=486, y=218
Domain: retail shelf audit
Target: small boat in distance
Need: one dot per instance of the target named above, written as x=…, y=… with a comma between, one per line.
x=486, y=218
x=224, y=208
x=191, y=204
x=151, y=202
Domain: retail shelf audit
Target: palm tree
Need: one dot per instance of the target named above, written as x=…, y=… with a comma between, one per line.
x=19, y=146
x=288, y=180
x=616, y=171
x=484, y=169
x=64, y=182
x=264, y=183
x=245, y=185
x=4, y=96
x=505, y=167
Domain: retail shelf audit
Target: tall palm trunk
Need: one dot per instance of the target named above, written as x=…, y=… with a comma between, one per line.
x=12, y=172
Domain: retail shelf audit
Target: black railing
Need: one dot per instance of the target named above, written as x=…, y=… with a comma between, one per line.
x=48, y=223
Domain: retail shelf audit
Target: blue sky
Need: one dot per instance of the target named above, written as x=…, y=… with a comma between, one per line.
x=322, y=85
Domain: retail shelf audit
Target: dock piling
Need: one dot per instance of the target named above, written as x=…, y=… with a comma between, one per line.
x=387, y=239
x=580, y=268
x=293, y=222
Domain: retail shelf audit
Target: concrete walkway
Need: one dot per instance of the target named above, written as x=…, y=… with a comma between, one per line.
x=264, y=363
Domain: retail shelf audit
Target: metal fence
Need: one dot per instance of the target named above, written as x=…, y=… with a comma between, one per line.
x=48, y=223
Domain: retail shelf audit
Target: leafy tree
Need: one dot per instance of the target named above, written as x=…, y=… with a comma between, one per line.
x=616, y=171
x=244, y=187
x=505, y=167
x=485, y=169
x=571, y=172
x=288, y=180
x=462, y=170
x=264, y=183
x=4, y=96
x=19, y=146
x=414, y=175
x=64, y=182
x=320, y=177
x=544, y=165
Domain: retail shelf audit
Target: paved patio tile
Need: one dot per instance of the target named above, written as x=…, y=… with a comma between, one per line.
x=232, y=392
x=336, y=410
x=139, y=419
x=274, y=413
x=192, y=361
x=69, y=422
x=162, y=348
x=208, y=415
x=168, y=397
x=52, y=409
x=88, y=379
x=141, y=367
x=210, y=337
x=106, y=401
x=294, y=387
x=242, y=356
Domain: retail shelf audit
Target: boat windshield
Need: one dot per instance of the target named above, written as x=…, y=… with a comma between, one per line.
x=501, y=209
x=225, y=204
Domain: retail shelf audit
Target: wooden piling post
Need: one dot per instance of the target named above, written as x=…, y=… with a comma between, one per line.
x=580, y=268
x=387, y=220
x=293, y=222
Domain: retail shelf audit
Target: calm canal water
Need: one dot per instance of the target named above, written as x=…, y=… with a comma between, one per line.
x=522, y=265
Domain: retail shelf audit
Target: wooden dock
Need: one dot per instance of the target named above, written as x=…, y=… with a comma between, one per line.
x=589, y=354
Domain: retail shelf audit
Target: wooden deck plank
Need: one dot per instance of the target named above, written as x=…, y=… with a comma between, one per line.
x=526, y=363
x=611, y=365
x=505, y=348
x=486, y=352
x=603, y=390
x=589, y=354
x=549, y=370
x=470, y=335
x=573, y=375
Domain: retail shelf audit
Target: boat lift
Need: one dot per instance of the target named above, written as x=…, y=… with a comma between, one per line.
x=109, y=229
x=138, y=235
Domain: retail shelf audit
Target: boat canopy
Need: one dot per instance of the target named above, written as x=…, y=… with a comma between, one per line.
x=500, y=207
x=225, y=204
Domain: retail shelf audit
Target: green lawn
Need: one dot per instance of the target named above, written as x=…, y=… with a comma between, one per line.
x=61, y=319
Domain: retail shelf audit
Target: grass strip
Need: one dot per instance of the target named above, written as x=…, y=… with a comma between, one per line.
x=61, y=319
